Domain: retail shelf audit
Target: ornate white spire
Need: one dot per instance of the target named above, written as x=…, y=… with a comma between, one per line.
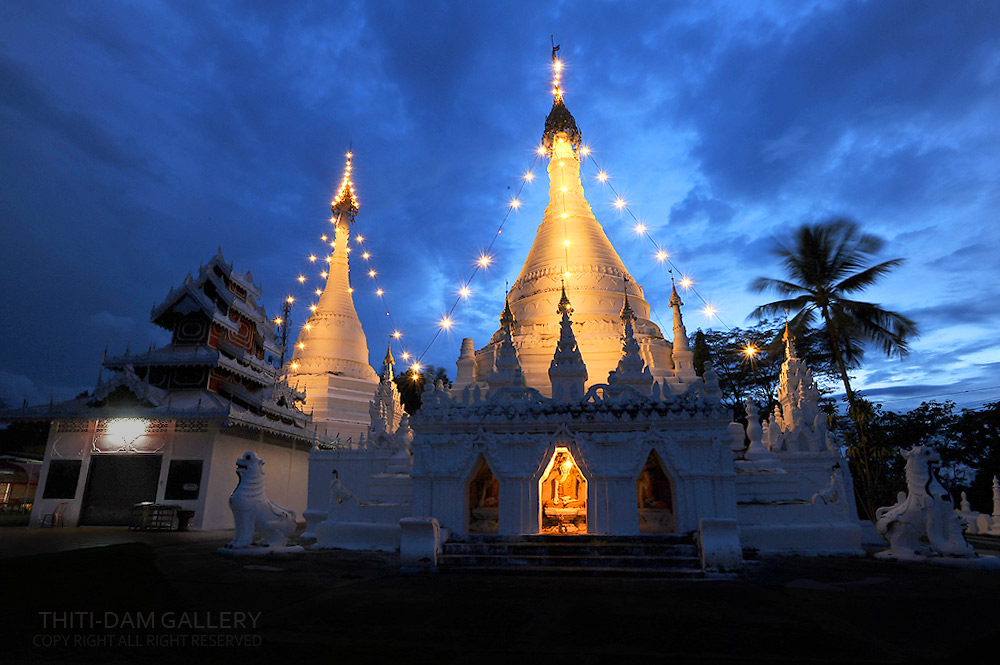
x=682, y=354
x=507, y=366
x=631, y=370
x=567, y=371
x=387, y=364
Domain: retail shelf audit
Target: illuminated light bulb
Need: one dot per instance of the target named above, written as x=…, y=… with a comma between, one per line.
x=350, y=289
x=323, y=238
x=312, y=308
x=445, y=323
x=565, y=243
x=323, y=274
x=465, y=292
x=371, y=273
x=329, y=259
x=366, y=256
x=332, y=220
x=750, y=351
x=565, y=215
x=529, y=176
x=709, y=311
x=359, y=239
x=319, y=292
x=559, y=140
x=484, y=260
x=277, y=321
x=295, y=365
x=584, y=150
x=349, y=155
x=415, y=368
x=541, y=150
x=562, y=163
x=661, y=255
x=308, y=326
x=602, y=176
x=620, y=203
x=301, y=345
x=348, y=250
x=406, y=355
x=312, y=258
x=566, y=274
x=379, y=292
x=290, y=300
x=640, y=229
x=686, y=282
x=397, y=334
x=557, y=64
x=302, y=279
x=564, y=188
x=514, y=203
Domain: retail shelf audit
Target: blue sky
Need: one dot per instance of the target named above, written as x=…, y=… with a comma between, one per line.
x=136, y=138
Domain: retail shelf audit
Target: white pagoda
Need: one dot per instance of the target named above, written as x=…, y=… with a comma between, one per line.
x=330, y=361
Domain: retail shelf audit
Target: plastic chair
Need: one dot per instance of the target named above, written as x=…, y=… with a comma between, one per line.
x=55, y=518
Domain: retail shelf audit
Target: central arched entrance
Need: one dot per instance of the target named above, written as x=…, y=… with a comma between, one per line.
x=562, y=494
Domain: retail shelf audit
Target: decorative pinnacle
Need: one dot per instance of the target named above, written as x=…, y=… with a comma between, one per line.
x=627, y=314
x=344, y=204
x=388, y=363
x=789, y=339
x=564, y=305
x=560, y=120
x=675, y=299
x=507, y=318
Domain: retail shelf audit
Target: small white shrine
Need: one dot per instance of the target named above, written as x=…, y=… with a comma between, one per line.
x=579, y=417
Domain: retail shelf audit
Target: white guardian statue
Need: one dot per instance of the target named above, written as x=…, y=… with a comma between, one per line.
x=254, y=512
x=925, y=511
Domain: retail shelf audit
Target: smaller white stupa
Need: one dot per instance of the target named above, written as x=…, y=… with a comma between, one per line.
x=330, y=362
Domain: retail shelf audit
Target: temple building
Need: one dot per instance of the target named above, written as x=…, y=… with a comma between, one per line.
x=166, y=426
x=578, y=417
x=330, y=361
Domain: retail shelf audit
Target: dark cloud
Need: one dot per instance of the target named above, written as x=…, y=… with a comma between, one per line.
x=136, y=139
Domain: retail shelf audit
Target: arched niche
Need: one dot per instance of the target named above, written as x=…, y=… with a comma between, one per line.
x=562, y=495
x=655, y=497
x=483, y=499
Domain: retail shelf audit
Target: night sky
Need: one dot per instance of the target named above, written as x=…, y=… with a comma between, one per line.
x=136, y=138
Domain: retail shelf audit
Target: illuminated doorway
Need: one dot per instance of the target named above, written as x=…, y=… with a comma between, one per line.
x=656, y=505
x=563, y=495
x=484, y=500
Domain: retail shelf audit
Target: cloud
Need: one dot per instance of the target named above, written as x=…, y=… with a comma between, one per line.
x=108, y=321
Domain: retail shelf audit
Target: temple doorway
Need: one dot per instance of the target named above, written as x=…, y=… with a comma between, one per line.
x=484, y=500
x=115, y=483
x=656, y=505
x=563, y=495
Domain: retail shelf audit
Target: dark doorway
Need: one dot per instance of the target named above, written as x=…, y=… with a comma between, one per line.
x=656, y=505
x=115, y=483
x=484, y=500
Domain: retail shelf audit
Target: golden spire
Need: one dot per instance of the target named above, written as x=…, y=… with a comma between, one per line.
x=560, y=120
x=344, y=202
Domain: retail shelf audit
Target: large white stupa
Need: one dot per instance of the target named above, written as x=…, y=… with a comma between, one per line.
x=330, y=362
x=570, y=251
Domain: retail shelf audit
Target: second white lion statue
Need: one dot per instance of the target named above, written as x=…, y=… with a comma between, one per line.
x=253, y=511
x=925, y=511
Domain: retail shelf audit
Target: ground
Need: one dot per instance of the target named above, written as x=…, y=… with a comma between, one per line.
x=349, y=607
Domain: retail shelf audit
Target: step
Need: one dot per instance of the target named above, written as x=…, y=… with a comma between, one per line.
x=659, y=538
x=572, y=549
x=560, y=571
x=491, y=560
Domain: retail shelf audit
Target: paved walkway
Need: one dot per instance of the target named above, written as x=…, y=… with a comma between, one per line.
x=350, y=607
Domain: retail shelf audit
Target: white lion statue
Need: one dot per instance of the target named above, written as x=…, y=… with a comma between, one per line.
x=925, y=510
x=253, y=511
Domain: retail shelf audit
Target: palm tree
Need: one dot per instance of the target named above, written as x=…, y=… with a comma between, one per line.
x=826, y=265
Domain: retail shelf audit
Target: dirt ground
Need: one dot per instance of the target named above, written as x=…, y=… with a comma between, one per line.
x=127, y=598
